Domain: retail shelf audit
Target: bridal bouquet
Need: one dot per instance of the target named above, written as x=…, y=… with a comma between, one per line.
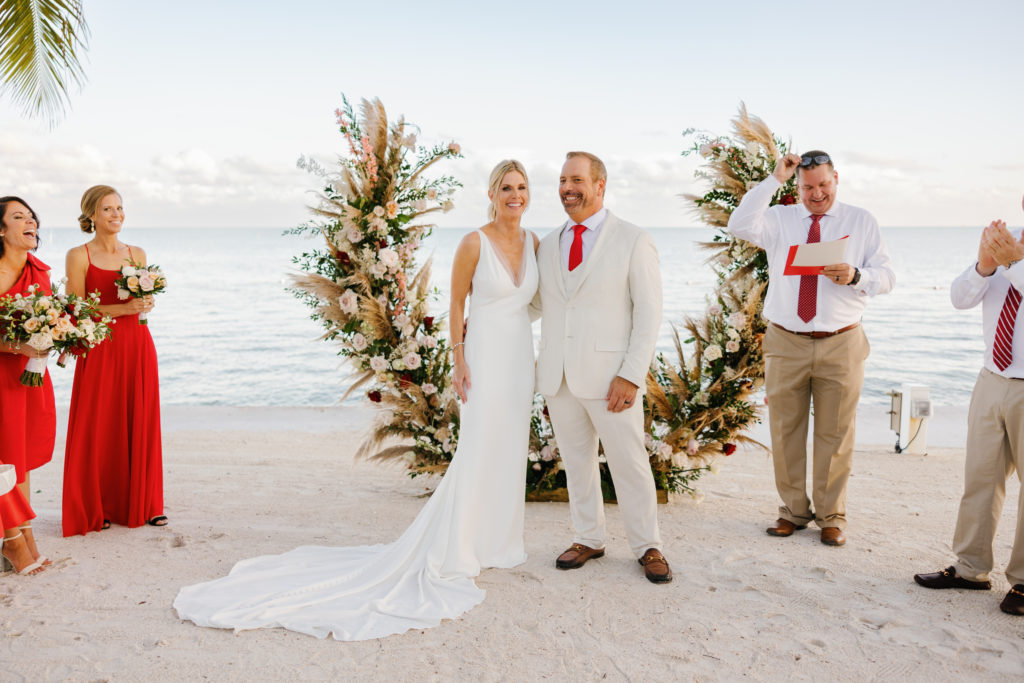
x=138, y=281
x=81, y=327
x=66, y=324
x=31, y=319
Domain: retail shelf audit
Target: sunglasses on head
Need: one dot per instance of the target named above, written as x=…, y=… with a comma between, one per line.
x=816, y=160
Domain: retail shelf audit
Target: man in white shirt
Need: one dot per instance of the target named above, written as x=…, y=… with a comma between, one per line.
x=814, y=348
x=600, y=302
x=995, y=423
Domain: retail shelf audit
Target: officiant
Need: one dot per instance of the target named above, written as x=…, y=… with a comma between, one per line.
x=814, y=347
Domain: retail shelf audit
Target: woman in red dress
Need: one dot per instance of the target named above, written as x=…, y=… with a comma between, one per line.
x=28, y=418
x=113, y=471
x=15, y=511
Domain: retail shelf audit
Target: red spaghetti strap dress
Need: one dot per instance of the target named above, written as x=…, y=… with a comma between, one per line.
x=113, y=467
x=28, y=417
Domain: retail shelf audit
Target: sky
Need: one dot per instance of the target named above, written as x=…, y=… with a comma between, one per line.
x=198, y=110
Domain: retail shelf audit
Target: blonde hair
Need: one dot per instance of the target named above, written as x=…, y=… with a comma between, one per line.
x=597, y=168
x=90, y=202
x=503, y=168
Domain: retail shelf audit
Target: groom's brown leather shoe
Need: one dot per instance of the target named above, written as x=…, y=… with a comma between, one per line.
x=577, y=555
x=948, y=578
x=655, y=566
x=1013, y=603
x=832, y=535
x=784, y=527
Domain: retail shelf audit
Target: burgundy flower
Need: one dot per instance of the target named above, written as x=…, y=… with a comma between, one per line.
x=404, y=380
x=545, y=411
x=382, y=243
x=787, y=199
x=428, y=323
x=373, y=396
x=343, y=258
x=729, y=448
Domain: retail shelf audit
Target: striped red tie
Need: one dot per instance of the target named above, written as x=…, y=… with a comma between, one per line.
x=807, y=304
x=1002, y=349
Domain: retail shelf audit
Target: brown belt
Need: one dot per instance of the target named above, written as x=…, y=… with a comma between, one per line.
x=818, y=335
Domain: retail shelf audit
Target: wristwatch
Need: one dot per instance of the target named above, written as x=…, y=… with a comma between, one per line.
x=856, y=277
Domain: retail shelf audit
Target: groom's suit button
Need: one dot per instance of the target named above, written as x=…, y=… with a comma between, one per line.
x=577, y=556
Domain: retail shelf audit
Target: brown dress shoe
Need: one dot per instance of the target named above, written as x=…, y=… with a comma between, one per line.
x=832, y=535
x=948, y=578
x=577, y=556
x=1013, y=603
x=784, y=527
x=655, y=566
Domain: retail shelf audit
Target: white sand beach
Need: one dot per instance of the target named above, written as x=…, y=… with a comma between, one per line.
x=249, y=481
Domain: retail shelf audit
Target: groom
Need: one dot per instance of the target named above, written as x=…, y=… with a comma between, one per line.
x=600, y=300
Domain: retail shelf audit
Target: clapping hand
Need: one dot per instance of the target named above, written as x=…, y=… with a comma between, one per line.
x=786, y=167
x=1000, y=245
x=986, y=262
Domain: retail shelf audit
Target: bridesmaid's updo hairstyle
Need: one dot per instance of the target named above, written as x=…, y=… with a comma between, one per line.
x=503, y=167
x=10, y=199
x=90, y=201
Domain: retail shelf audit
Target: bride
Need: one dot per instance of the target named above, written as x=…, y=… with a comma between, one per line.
x=473, y=520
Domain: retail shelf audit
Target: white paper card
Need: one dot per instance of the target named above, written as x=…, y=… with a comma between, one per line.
x=820, y=253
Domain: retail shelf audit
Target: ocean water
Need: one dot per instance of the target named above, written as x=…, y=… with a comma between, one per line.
x=228, y=333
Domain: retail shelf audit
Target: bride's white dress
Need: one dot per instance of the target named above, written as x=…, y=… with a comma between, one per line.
x=473, y=520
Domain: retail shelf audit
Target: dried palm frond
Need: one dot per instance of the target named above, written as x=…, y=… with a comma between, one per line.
x=375, y=314
x=754, y=129
x=319, y=286
x=361, y=378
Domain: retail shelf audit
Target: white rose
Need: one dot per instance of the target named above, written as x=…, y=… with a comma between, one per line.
x=128, y=271
x=664, y=452
x=377, y=270
x=420, y=205
x=546, y=454
x=123, y=293
x=401, y=320
x=692, y=447
x=388, y=256
x=752, y=148
x=378, y=211
x=41, y=341
x=430, y=341
x=732, y=346
x=715, y=309
x=532, y=457
x=737, y=319
x=359, y=342
x=353, y=234
x=397, y=364
x=732, y=333
x=408, y=331
x=349, y=302
x=705, y=150
x=428, y=389
x=378, y=364
x=713, y=352
x=411, y=360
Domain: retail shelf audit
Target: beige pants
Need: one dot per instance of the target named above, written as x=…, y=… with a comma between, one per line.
x=995, y=448
x=829, y=372
x=578, y=425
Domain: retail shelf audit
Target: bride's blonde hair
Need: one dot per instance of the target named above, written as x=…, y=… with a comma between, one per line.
x=497, y=175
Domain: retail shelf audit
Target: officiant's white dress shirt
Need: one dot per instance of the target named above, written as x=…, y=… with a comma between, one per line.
x=593, y=225
x=775, y=229
x=970, y=289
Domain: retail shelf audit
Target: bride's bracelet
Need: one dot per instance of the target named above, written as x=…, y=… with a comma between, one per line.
x=455, y=346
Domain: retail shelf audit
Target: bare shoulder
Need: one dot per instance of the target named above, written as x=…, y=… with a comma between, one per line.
x=138, y=254
x=77, y=255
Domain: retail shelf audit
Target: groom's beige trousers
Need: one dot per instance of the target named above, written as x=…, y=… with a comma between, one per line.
x=578, y=424
x=995, y=448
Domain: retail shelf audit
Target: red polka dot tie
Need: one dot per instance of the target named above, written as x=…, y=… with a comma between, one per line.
x=1002, y=349
x=807, y=304
x=576, y=250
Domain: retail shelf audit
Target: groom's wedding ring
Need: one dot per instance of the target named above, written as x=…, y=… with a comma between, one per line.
x=627, y=402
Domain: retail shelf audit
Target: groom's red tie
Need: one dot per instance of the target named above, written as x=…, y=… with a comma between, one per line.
x=576, y=250
x=807, y=302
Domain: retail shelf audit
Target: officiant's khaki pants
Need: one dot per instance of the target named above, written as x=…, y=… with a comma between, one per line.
x=829, y=371
x=578, y=425
x=995, y=448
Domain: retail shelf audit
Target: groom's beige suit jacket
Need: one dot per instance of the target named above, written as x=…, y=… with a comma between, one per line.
x=602, y=319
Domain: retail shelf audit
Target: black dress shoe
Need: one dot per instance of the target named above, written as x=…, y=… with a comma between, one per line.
x=947, y=578
x=1013, y=603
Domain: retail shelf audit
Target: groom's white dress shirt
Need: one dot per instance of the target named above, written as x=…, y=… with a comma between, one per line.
x=593, y=228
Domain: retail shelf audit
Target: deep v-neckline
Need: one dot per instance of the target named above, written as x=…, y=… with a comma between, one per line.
x=517, y=281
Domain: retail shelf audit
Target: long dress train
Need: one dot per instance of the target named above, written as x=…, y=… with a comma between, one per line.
x=473, y=520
